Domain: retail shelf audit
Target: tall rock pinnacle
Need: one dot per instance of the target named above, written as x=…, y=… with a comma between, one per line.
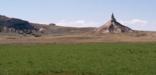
x=113, y=18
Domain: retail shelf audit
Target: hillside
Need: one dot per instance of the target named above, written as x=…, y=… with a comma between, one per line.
x=113, y=31
x=14, y=25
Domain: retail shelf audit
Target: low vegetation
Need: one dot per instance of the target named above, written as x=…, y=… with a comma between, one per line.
x=78, y=59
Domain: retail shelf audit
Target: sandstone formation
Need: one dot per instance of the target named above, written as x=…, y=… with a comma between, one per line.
x=113, y=26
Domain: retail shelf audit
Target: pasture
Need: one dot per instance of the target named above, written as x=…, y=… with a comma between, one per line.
x=78, y=59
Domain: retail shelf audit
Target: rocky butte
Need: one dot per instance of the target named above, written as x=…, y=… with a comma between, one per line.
x=113, y=26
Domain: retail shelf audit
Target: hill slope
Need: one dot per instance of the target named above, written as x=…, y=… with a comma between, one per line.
x=14, y=25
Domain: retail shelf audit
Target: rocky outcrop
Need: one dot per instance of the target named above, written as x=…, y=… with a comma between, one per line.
x=16, y=25
x=112, y=26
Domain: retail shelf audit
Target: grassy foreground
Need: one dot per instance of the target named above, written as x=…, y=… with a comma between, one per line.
x=78, y=59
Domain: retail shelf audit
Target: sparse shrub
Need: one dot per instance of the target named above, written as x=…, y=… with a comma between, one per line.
x=141, y=34
x=37, y=35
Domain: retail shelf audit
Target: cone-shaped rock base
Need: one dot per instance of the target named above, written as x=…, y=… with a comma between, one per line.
x=113, y=26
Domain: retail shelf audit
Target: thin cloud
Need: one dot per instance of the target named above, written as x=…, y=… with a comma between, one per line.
x=135, y=22
x=139, y=24
x=76, y=23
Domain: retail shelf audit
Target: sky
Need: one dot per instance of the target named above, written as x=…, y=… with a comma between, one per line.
x=136, y=14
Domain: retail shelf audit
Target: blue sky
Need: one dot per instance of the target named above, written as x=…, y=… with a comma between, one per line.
x=137, y=14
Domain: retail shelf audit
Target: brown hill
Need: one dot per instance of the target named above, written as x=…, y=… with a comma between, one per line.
x=14, y=25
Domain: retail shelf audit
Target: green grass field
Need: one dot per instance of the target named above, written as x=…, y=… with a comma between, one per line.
x=78, y=59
